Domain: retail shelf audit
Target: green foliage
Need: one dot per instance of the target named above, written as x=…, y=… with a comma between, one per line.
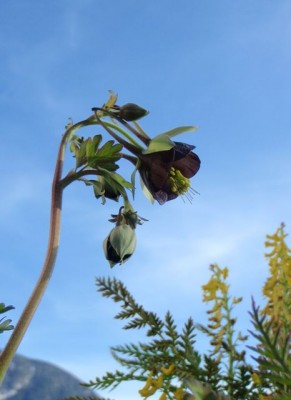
x=5, y=324
x=87, y=152
x=274, y=351
x=167, y=348
x=169, y=361
x=224, y=340
x=101, y=161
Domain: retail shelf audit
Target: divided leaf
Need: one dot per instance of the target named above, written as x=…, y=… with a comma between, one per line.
x=88, y=153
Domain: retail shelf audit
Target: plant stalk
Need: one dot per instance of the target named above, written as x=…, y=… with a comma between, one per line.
x=58, y=186
x=53, y=243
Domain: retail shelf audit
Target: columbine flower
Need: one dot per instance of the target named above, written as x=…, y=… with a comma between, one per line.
x=165, y=166
x=166, y=173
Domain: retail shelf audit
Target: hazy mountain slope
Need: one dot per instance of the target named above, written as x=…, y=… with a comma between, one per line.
x=29, y=379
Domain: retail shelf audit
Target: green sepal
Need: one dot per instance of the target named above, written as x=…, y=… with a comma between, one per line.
x=162, y=142
x=122, y=243
x=132, y=178
x=146, y=192
x=159, y=143
x=179, y=130
x=123, y=240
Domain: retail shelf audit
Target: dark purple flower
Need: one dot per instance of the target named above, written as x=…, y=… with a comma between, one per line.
x=166, y=173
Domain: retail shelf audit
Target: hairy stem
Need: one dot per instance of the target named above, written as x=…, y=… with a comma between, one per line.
x=48, y=266
x=58, y=186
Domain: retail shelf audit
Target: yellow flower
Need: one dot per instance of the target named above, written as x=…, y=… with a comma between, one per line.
x=158, y=383
x=210, y=289
x=215, y=308
x=179, y=394
x=224, y=273
x=277, y=287
x=169, y=370
x=256, y=379
x=147, y=392
x=152, y=385
x=217, y=316
x=215, y=326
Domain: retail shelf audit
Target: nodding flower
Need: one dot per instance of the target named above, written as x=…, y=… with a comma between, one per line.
x=165, y=166
x=166, y=173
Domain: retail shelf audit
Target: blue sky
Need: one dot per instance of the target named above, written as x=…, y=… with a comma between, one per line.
x=221, y=65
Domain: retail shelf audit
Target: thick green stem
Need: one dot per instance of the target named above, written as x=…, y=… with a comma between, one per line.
x=52, y=249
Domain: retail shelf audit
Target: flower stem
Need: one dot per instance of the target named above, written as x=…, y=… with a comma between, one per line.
x=58, y=185
x=130, y=147
x=139, y=133
x=48, y=266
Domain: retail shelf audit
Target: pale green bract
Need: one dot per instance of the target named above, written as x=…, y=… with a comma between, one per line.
x=146, y=192
x=123, y=240
x=162, y=142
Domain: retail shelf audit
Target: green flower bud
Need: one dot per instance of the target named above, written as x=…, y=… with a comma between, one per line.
x=132, y=112
x=119, y=244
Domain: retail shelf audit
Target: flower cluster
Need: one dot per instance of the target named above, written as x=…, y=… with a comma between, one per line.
x=221, y=327
x=221, y=323
x=155, y=383
x=165, y=166
x=277, y=287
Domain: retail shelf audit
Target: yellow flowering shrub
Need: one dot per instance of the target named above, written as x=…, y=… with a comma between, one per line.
x=172, y=367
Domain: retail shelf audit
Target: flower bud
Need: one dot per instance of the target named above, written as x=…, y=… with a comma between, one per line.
x=119, y=244
x=132, y=112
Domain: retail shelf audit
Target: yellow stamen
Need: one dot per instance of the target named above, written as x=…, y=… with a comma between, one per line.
x=179, y=184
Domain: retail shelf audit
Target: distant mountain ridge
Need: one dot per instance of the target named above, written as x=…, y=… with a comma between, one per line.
x=29, y=379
